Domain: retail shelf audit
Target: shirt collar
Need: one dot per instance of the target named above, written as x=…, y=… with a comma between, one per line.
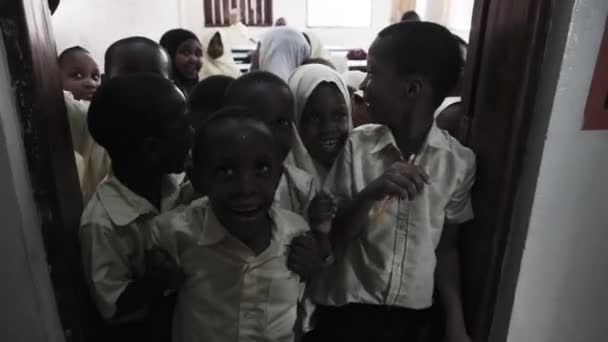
x=124, y=206
x=214, y=232
x=435, y=138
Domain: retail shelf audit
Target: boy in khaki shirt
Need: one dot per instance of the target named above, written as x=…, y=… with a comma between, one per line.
x=140, y=120
x=405, y=187
x=233, y=245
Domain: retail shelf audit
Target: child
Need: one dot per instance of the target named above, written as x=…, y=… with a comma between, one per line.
x=79, y=73
x=450, y=115
x=407, y=188
x=141, y=122
x=207, y=97
x=126, y=56
x=323, y=119
x=186, y=54
x=134, y=55
x=217, y=57
x=282, y=50
x=232, y=245
x=270, y=97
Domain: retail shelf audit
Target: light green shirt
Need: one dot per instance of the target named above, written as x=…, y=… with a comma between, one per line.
x=112, y=238
x=392, y=262
x=230, y=294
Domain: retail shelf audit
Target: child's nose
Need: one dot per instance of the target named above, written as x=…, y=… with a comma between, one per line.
x=90, y=83
x=246, y=183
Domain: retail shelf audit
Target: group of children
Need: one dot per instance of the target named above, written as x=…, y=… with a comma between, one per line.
x=248, y=208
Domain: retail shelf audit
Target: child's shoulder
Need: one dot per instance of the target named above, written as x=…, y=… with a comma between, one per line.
x=297, y=175
x=289, y=223
x=369, y=132
x=458, y=152
x=299, y=180
x=193, y=213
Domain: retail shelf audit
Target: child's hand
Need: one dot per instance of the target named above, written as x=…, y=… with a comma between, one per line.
x=163, y=270
x=305, y=257
x=401, y=179
x=321, y=212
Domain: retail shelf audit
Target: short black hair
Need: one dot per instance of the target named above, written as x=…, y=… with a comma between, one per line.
x=110, y=54
x=242, y=85
x=239, y=114
x=63, y=55
x=127, y=109
x=208, y=96
x=423, y=48
x=410, y=16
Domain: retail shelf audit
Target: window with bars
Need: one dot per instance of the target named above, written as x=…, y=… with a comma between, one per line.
x=252, y=12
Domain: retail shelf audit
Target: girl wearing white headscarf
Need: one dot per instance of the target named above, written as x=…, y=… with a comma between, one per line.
x=317, y=49
x=322, y=119
x=217, y=56
x=282, y=50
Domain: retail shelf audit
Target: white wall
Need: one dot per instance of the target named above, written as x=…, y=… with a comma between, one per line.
x=295, y=13
x=27, y=310
x=95, y=24
x=562, y=291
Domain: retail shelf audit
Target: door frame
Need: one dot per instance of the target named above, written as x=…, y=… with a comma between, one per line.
x=34, y=72
x=506, y=54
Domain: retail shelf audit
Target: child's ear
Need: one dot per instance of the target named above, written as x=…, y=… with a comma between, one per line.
x=413, y=87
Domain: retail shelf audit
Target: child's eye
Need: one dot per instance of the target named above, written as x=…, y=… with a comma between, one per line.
x=225, y=172
x=316, y=118
x=77, y=75
x=340, y=115
x=283, y=122
x=262, y=169
x=95, y=77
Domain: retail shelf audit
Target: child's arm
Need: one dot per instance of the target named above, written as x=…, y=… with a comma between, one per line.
x=447, y=277
x=447, y=273
x=162, y=276
x=321, y=215
x=402, y=179
x=311, y=252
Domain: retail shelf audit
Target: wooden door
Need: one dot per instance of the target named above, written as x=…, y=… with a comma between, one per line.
x=34, y=72
x=505, y=57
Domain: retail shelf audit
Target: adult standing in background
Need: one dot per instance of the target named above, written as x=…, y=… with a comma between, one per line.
x=281, y=22
x=237, y=33
x=410, y=16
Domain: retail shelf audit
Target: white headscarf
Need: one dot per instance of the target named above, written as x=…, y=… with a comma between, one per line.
x=224, y=65
x=282, y=50
x=318, y=50
x=302, y=84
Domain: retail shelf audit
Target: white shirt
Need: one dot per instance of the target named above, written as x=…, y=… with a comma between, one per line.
x=392, y=262
x=230, y=294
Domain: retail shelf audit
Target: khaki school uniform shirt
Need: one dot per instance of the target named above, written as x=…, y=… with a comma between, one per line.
x=112, y=238
x=393, y=262
x=95, y=163
x=295, y=191
x=230, y=294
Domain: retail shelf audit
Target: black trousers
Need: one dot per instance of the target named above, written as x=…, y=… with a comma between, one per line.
x=367, y=323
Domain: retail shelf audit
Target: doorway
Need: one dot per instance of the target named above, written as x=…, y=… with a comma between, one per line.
x=505, y=55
